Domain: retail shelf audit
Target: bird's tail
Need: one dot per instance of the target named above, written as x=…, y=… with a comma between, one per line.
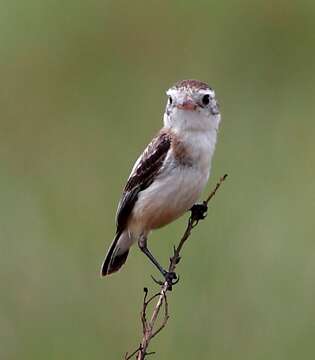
x=117, y=253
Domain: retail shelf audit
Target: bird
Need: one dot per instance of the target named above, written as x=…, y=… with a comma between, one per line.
x=170, y=175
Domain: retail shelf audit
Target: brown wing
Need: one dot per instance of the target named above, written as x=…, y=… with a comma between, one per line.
x=142, y=176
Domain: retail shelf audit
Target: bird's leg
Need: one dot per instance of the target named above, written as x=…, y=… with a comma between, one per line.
x=199, y=211
x=143, y=247
x=169, y=276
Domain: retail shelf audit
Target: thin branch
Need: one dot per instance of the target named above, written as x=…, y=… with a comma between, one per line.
x=213, y=192
x=128, y=357
x=166, y=317
x=148, y=326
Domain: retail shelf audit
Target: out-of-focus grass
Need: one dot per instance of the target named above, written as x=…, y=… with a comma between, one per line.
x=82, y=93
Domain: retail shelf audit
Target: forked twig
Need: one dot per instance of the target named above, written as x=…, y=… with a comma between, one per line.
x=148, y=326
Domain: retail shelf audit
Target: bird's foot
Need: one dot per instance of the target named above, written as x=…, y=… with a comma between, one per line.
x=199, y=211
x=170, y=277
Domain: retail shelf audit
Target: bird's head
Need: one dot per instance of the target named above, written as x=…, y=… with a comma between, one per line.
x=192, y=106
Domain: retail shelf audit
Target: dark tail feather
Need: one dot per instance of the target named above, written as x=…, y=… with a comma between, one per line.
x=114, y=258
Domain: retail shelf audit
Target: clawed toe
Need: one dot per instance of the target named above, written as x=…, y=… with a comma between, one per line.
x=199, y=211
x=170, y=277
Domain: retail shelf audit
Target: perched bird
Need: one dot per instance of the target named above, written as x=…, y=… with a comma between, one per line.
x=171, y=173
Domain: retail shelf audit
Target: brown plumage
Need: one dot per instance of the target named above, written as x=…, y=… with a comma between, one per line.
x=196, y=84
x=180, y=151
x=170, y=174
x=142, y=176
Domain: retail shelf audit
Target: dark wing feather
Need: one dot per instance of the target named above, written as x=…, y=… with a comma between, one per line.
x=142, y=176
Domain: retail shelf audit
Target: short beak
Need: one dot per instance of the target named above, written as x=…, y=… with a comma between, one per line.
x=187, y=104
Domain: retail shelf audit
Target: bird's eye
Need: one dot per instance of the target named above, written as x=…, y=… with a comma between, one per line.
x=205, y=100
x=170, y=100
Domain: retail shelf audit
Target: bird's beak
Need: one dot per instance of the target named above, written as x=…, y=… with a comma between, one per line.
x=187, y=104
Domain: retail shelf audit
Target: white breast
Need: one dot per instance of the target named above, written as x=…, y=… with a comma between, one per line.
x=175, y=189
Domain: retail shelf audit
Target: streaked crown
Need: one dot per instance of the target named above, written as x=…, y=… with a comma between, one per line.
x=192, y=84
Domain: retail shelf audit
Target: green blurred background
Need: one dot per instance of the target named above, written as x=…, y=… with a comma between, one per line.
x=82, y=92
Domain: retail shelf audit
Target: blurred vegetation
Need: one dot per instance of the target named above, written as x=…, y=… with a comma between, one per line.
x=82, y=92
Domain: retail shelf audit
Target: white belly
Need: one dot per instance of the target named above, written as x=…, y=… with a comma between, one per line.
x=167, y=198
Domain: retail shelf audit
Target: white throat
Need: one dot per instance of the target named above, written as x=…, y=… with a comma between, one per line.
x=182, y=121
x=198, y=131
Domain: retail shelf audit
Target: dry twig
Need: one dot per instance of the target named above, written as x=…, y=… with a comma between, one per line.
x=148, y=326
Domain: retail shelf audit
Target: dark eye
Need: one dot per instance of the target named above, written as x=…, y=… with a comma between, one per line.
x=170, y=100
x=205, y=100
